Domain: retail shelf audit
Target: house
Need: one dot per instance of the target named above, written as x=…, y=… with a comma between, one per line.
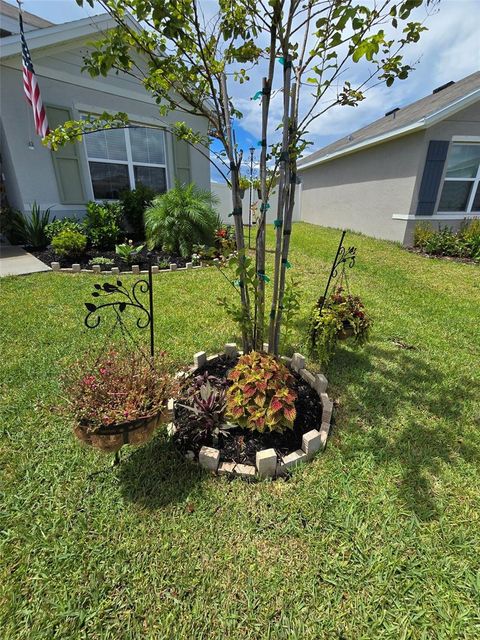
x=105, y=162
x=418, y=163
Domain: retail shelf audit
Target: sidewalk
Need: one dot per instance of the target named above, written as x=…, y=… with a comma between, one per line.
x=15, y=261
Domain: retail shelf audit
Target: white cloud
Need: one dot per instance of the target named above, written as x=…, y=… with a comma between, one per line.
x=449, y=50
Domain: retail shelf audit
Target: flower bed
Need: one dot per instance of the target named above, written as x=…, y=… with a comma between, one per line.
x=159, y=258
x=227, y=447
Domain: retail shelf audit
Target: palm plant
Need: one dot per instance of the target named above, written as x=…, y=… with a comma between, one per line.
x=180, y=218
x=30, y=229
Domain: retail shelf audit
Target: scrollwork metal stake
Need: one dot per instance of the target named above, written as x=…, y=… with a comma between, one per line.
x=128, y=298
x=342, y=257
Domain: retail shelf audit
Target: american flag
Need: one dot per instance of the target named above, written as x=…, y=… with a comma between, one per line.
x=32, y=90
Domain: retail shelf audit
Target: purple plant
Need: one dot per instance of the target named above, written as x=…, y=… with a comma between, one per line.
x=205, y=397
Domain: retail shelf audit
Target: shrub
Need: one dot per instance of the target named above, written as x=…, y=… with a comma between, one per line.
x=101, y=224
x=422, y=234
x=134, y=203
x=261, y=396
x=101, y=261
x=341, y=313
x=127, y=251
x=443, y=242
x=8, y=226
x=469, y=237
x=30, y=229
x=119, y=388
x=63, y=224
x=180, y=218
x=69, y=244
x=464, y=244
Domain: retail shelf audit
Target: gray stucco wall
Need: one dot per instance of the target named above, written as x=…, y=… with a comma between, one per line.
x=29, y=173
x=361, y=191
x=224, y=194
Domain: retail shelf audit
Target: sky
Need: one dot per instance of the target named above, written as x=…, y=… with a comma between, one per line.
x=449, y=50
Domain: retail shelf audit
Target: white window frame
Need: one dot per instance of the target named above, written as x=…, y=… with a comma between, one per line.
x=129, y=162
x=465, y=140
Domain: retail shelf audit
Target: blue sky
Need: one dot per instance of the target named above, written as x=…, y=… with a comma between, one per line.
x=450, y=50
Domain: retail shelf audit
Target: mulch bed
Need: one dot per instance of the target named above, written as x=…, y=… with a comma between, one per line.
x=241, y=445
x=48, y=256
x=441, y=257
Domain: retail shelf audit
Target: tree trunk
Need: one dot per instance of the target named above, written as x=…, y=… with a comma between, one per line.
x=288, y=220
x=283, y=191
x=260, y=241
x=237, y=216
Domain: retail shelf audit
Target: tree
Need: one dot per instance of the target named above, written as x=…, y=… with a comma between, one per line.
x=192, y=61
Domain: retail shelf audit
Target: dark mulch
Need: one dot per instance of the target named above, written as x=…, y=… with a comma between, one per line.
x=158, y=257
x=442, y=257
x=241, y=445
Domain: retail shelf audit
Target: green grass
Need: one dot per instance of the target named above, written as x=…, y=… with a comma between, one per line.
x=377, y=538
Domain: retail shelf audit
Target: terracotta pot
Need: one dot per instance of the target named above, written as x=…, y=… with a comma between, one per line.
x=111, y=439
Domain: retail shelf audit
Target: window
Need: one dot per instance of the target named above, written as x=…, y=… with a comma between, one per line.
x=461, y=187
x=123, y=158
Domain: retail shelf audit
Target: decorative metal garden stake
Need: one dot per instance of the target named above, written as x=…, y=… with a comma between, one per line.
x=342, y=257
x=126, y=299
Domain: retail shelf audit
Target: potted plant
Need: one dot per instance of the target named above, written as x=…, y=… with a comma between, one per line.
x=121, y=400
x=339, y=317
x=258, y=186
x=243, y=185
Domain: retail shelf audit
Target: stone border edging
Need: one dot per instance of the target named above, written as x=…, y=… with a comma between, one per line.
x=115, y=271
x=268, y=464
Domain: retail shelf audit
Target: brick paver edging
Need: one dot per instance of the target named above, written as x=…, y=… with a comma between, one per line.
x=115, y=271
x=268, y=464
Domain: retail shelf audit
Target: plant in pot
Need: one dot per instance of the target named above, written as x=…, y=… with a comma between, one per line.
x=120, y=400
x=257, y=185
x=340, y=317
x=243, y=185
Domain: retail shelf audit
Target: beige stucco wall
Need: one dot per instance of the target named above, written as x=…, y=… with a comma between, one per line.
x=363, y=190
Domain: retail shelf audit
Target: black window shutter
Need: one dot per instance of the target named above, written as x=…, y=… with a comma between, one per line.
x=432, y=176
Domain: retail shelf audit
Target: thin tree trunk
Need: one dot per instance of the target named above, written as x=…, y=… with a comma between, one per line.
x=260, y=241
x=283, y=190
x=237, y=215
x=287, y=221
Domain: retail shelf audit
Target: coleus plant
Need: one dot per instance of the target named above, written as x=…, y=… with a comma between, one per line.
x=261, y=396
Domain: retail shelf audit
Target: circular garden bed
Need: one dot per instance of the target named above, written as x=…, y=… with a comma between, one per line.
x=244, y=452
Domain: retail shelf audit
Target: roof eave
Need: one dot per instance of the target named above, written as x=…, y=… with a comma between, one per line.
x=424, y=123
x=59, y=34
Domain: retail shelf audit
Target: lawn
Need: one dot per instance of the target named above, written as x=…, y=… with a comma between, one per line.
x=379, y=537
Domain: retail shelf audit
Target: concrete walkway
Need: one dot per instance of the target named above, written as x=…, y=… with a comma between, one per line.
x=15, y=261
